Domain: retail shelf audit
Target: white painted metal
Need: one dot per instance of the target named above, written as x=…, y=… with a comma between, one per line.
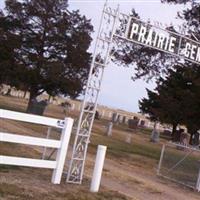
x=188, y=151
x=27, y=162
x=47, y=121
x=113, y=25
x=62, y=151
x=100, y=60
x=180, y=36
x=198, y=182
x=98, y=168
x=161, y=159
x=173, y=54
x=162, y=29
x=14, y=138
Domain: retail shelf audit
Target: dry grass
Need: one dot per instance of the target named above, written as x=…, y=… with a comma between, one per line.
x=129, y=168
x=33, y=184
x=26, y=188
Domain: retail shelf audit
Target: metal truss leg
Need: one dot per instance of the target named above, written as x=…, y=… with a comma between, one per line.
x=89, y=105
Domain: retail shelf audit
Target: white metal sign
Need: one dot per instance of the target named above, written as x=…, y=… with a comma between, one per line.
x=163, y=40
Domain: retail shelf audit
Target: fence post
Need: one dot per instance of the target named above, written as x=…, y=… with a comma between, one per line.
x=45, y=148
x=198, y=182
x=96, y=178
x=161, y=159
x=62, y=151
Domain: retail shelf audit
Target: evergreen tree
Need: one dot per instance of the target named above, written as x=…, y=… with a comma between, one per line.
x=9, y=42
x=52, y=56
x=176, y=99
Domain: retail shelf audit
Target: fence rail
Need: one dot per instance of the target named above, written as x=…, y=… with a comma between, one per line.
x=18, y=116
x=61, y=145
x=13, y=138
x=27, y=162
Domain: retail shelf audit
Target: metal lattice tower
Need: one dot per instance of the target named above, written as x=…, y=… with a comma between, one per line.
x=113, y=25
x=88, y=110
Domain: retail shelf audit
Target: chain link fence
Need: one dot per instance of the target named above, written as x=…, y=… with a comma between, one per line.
x=180, y=164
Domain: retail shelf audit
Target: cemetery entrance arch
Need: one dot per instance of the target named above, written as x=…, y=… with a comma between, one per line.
x=118, y=25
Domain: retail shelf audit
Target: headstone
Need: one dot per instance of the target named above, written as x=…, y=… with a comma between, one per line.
x=184, y=139
x=66, y=107
x=128, y=138
x=195, y=139
x=38, y=107
x=109, y=129
x=142, y=123
x=114, y=117
x=155, y=135
x=132, y=123
x=124, y=119
x=118, y=118
x=177, y=136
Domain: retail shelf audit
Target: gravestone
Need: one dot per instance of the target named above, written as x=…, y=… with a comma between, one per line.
x=118, y=118
x=132, y=123
x=109, y=129
x=155, y=135
x=128, y=138
x=184, y=139
x=114, y=117
x=142, y=123
x=124, y=119
x=38, y=107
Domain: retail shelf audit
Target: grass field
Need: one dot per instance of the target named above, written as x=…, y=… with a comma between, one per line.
x=129, y=171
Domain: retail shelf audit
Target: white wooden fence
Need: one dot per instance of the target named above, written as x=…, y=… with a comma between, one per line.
x=61, y=145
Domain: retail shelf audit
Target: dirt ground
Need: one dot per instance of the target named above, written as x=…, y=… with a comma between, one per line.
x=127, y=176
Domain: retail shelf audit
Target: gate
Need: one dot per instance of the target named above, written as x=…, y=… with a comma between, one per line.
x=180, y=164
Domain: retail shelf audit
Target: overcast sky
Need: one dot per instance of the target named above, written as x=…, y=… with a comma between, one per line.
x=118, y=90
